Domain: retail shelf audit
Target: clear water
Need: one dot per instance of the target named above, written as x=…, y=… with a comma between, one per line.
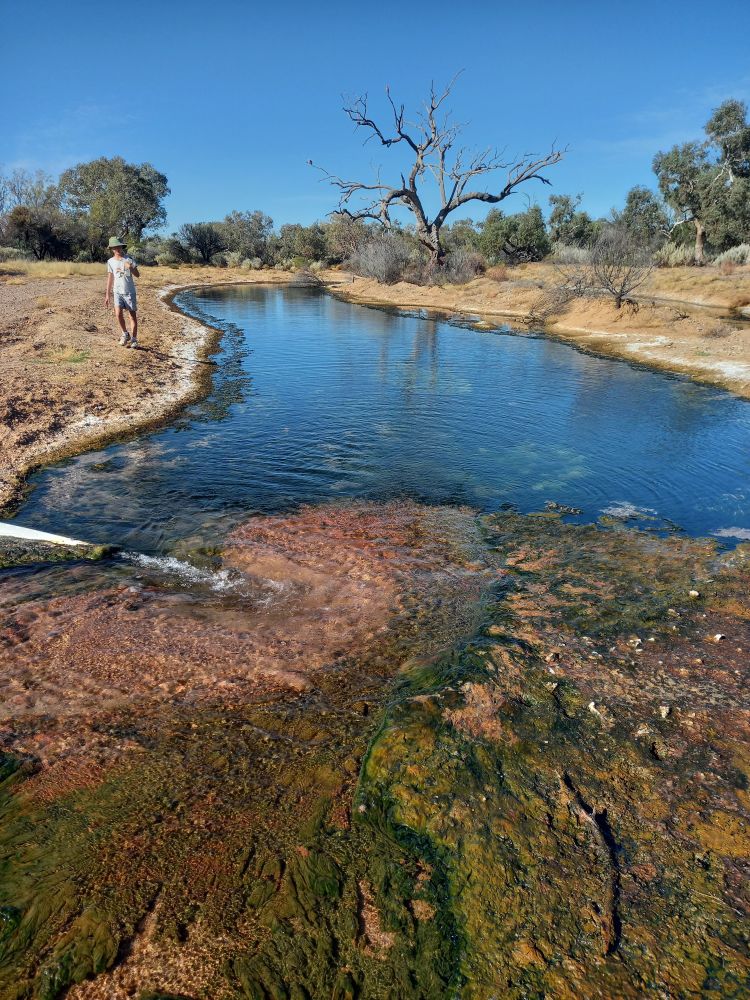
x=315, y=399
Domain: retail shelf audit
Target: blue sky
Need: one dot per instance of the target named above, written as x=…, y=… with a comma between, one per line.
x=230, y=99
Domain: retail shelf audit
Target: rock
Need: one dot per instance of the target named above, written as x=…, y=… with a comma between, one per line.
x=694, y=594
x=664, y=711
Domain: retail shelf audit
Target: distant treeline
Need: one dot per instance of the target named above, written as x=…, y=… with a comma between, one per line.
x=701, y=211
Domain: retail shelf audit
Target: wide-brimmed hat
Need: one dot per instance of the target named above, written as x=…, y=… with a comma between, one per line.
x=115, y=241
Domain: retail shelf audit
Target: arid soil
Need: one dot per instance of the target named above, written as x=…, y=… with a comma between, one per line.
x=66, y=384
x=662, y=329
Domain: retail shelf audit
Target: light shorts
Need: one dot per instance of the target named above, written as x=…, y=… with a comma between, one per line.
x=125, y=300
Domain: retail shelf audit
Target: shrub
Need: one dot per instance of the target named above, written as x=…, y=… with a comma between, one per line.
x=735, y=255
x=13, y=253
x=234, y=258
x=497, y=273
x=717, y=330
x=385, y=257
x=460, y=267
x=565, y=253
x=251, y=264
x=672, y=255
x=145, y=253
x=171, y=251
x=514, y=239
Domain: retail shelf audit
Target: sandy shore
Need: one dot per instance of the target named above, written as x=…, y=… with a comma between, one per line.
x=676, y=325
x=67, y=386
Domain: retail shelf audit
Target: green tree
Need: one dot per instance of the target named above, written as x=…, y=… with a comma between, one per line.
x=344, y=236
x=295, y=240
x=248, y=233
x=515, y=238
x=41, y=232
x=204, y=238
x=112, y=197
x=707, y=183
x=568, y=224
x=643, y=217
x=462, y=235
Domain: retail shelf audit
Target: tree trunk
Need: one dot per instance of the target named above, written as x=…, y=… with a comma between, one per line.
x=700, y=243
x=430, y=238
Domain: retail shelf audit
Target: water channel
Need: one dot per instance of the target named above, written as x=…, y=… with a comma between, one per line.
x=316, y=399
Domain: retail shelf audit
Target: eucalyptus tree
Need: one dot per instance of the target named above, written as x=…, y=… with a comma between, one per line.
x=570, y=225
x=248, y=233
x=707, y=183
x=432, y=140
x=644, y=216
x=112, y=197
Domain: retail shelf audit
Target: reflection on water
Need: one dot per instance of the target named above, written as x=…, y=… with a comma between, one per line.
x=317, y=399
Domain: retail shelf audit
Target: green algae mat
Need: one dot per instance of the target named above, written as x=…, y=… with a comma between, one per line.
x=524, y=776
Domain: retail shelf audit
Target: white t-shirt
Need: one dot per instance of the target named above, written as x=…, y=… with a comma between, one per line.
x=124, y=284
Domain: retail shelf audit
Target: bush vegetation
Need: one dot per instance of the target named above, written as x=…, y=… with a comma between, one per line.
x=701, y=214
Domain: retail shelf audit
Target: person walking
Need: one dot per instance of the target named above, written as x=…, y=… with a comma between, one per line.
x=121, y=269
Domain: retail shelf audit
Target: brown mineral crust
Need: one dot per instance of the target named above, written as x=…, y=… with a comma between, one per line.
x=336, y=579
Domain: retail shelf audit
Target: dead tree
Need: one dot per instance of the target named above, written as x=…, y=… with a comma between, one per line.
x=619, y=264
x=432, y=139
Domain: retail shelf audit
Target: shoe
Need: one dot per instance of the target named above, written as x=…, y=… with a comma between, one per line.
x=125, y=340
x=134, y=344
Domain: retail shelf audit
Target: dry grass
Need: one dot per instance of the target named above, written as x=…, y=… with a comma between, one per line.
x=499, y=273
x=43, y=302
x=48, y=268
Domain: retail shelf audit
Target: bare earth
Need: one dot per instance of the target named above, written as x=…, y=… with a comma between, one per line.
x=68, y=386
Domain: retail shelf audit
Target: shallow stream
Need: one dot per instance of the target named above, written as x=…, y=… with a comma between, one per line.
x=316, y=399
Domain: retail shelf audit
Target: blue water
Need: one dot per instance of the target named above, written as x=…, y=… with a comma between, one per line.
x=316, y=399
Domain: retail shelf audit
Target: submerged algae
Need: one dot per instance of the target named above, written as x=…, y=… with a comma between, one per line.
x=25, y=552
x=555, y=806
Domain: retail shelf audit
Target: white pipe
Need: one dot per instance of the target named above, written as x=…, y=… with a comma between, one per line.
x=17, y=531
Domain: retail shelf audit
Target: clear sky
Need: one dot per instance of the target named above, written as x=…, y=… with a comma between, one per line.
x=230, y=99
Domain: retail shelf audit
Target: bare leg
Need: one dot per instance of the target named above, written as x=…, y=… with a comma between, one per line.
x=134, y=322
x=120, y=314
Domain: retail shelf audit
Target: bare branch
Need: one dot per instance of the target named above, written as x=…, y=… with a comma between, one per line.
x=432, y=140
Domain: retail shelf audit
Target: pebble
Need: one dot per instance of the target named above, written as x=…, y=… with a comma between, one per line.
x=664, y=711
x=694, y=594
